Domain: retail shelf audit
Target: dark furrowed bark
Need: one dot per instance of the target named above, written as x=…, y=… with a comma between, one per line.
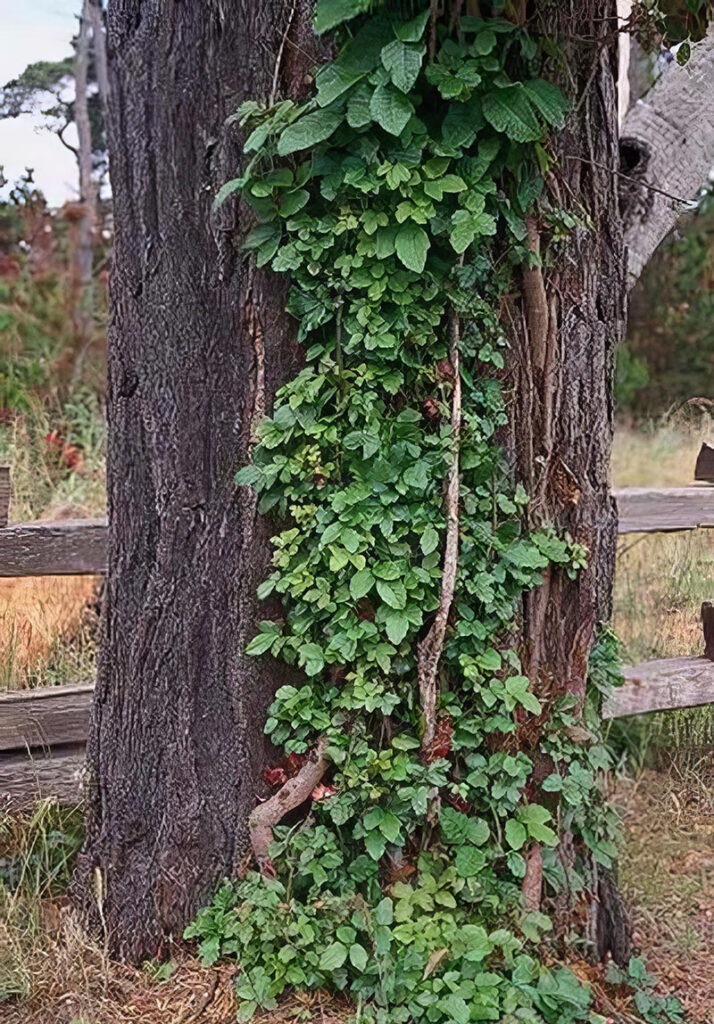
x=562, y=413
x=198, y=343
x=560, y=434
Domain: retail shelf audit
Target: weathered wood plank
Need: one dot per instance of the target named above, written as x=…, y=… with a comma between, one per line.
x=664, y=509
x=662, y=686
x=57, y=774
x=66, y=548
x=4, y=494
x=704, y=469
x=47, y=716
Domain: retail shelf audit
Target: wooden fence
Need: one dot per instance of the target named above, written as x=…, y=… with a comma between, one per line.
x=43, y=730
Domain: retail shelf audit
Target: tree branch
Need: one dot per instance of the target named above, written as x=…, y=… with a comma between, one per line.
x=290, y=795
x=666, y=146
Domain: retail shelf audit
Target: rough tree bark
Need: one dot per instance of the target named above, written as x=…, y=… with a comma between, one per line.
x=198, y=343
x=570, y=318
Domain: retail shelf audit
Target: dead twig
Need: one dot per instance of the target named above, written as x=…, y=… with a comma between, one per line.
x=532, y=885
x=430, y=648
x=290, y=795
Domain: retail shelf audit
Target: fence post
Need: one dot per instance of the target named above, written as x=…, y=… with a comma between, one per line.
x=704, y=469
x=4, y=495
x=708, y=624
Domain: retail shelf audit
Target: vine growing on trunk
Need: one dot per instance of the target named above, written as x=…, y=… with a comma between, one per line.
x=421, y=849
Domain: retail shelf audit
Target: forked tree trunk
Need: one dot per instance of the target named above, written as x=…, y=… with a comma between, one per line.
x=198, y=343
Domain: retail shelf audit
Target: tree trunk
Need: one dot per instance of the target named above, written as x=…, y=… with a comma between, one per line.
x=198, y=343
x=668, y=152
x=571, y=319
x=562, y=412
x=83, y=244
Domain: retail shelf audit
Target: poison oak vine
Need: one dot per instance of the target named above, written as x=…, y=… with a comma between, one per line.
x=399, y=200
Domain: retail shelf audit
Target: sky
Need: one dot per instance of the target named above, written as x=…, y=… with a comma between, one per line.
x=32, y=30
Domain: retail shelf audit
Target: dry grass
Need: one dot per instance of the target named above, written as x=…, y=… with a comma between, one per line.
x=46, y=630
x=667, y=872
x=51, y=973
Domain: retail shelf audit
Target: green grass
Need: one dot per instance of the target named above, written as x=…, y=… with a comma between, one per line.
x=660, y=583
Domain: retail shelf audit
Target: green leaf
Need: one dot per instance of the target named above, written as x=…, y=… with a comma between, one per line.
x=509, y=111
x=333, y=80
x=263, y=641
x=534, y=817
x=373, y=818
x=330, y=13
x=384, y=912
x=248, y=476
x=412, y=243
x=469, y=861
x=390, y=109
x=403, y=63
x=375, y=844
x=308, y=130
x=412, y=31
x=466, y=226
x=392, y=594
x=358, y=956
x=293, y=201
x=530, y=702
x=458, y=828
x=515, y=834
x=397, y=625
x=261, y=234
x=390, y=827
x=246, y=1010
x=333, y=957
x=358, y=107
x=548, y=101
x=311, y=658
x=361, y=583
x=478, y=944
x=484, y=42
x=455, y=1008
x=429, y=540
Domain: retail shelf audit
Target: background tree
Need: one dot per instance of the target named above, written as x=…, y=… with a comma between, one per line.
x=198, y=344
x=78, y=89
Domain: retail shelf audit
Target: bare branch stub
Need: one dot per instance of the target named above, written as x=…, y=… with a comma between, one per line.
x=290, y=795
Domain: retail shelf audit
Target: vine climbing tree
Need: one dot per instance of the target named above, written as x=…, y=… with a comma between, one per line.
x=444, y=564
x=411, y=361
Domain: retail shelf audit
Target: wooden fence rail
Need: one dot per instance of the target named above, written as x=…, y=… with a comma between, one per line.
x=70, y=547
x=77, y=546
